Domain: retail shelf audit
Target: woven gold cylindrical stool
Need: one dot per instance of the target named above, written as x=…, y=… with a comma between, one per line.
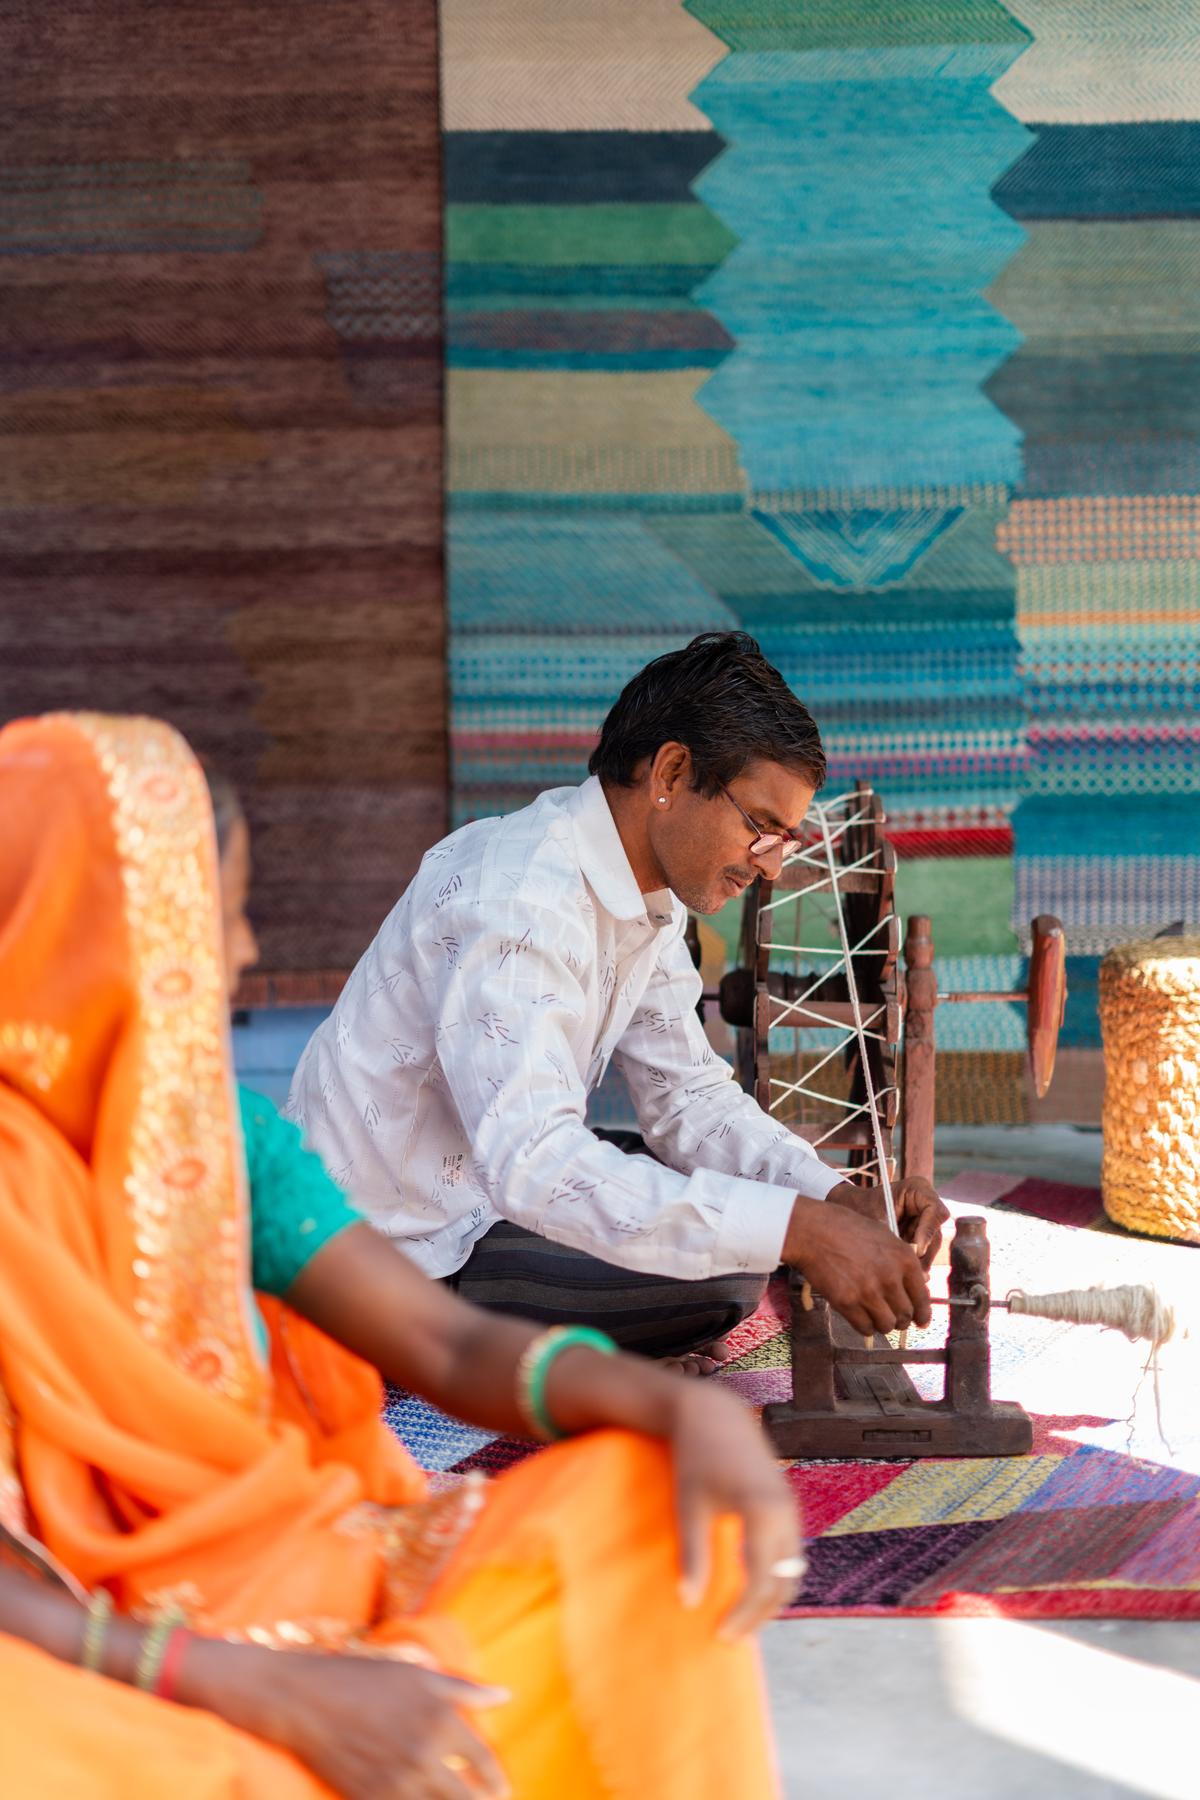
x=1150, y=1018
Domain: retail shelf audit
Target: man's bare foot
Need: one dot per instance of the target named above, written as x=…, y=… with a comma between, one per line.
x=700, y=1362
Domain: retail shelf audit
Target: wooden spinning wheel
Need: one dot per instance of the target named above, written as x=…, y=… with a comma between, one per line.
x=834, y=1037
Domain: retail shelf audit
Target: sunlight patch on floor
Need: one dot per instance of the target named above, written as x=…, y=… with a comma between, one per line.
x=1074, y=1703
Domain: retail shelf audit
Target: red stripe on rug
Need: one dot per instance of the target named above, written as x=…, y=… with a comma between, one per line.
x=1075, y=1603
x=768, y=1319
x=826, y=1493
x=1058, y=1202
x=968, y=841
x=1035, y=1603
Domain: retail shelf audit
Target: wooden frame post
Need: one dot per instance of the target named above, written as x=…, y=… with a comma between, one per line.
x=918, y=1079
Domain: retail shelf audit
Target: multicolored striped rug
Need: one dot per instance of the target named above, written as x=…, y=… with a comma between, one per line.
x=871, y=329
x=1103, y=1518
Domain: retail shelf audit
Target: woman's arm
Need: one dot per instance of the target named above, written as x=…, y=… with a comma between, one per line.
x=361, y=1291
x=367, y=1295
x=364, y=1726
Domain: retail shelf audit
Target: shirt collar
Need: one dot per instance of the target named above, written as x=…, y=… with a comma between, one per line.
x=603, y=860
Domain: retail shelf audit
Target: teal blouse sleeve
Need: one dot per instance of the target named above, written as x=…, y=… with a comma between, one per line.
x=294, y=1206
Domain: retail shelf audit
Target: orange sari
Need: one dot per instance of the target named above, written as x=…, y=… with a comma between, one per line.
x=146, y=1445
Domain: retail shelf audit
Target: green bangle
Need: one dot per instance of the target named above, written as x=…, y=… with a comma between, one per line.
x=95, y=1630
x=153, y=1648
x=535, y=1365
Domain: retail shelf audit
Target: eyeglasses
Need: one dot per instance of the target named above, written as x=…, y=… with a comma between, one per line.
x=764, y=841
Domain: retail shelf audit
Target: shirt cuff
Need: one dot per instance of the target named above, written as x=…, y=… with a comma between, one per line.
x=815, y=1179
x=754, y=1222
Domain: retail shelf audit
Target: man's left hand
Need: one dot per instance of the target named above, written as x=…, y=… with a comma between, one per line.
x=920, y=1212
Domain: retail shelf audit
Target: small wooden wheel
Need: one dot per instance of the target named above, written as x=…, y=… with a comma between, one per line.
x=1047, y=998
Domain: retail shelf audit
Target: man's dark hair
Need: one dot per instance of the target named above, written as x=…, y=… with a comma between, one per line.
x=722, y=698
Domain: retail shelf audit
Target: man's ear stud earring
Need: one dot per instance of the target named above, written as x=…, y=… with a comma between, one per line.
x=662, y=799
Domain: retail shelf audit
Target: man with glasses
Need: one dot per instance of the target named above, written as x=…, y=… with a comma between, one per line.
x=448, y=1089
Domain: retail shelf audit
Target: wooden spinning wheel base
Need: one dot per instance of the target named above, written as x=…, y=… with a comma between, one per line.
x=852, y=1400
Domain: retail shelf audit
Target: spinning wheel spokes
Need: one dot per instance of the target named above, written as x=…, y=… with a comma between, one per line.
x=813, y=945
x=799, y=1047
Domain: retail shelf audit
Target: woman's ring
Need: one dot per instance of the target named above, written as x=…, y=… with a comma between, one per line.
x=789, y=1568
x=457, y=1765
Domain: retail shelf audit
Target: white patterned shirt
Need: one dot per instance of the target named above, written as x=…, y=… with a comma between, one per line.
x=448, y=1087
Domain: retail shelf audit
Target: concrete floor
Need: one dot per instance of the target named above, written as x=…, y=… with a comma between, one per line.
x=1051, y=1152
x=917, y=1709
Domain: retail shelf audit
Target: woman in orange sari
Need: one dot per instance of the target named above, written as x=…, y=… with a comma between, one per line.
x=181, y=1450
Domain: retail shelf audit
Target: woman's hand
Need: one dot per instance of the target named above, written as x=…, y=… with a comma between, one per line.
x=723, y=1464
x=369, y=1727
x=370, y=1298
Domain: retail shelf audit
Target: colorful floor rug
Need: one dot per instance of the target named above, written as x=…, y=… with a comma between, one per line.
x=1057, y=1202
x=1102, y=1520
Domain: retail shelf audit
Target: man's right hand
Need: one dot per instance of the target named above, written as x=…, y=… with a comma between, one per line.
x=871, y=1277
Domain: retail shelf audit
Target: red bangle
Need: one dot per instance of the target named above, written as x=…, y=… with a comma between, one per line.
x=172, y=1656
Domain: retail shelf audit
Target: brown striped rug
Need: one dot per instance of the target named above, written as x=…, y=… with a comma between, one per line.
x=220, y=402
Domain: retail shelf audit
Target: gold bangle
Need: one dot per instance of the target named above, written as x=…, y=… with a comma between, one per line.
x=95, y=1631
x=153, y=1648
